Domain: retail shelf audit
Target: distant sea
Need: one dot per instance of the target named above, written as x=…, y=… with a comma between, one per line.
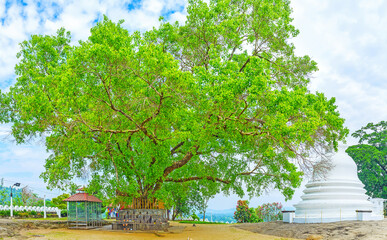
x=226, y=215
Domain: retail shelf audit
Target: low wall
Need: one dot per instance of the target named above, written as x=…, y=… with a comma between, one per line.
x=141, y=219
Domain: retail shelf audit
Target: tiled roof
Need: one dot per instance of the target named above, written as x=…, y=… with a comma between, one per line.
x=82, y=197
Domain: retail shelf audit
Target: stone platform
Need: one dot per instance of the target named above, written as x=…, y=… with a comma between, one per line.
x=141, y=219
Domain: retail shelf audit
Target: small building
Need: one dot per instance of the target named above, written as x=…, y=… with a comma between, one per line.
x=83, y=210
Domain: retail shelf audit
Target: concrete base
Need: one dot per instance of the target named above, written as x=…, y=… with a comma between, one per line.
x=363, y=215
x=288, y=216
x=323, y=220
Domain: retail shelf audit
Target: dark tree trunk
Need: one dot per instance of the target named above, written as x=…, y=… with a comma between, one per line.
x=174, y=214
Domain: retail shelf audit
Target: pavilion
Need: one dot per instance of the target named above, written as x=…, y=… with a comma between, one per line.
x=83, y=210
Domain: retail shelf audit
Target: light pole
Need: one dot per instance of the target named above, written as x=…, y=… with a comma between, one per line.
x=17, y=185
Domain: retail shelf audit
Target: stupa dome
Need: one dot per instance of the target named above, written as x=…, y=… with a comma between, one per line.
x=343, y=166
x=336, y=197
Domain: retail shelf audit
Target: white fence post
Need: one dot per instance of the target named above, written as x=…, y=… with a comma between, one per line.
x=45, y=215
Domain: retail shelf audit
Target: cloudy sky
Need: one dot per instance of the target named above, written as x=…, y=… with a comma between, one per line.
x=347, y=38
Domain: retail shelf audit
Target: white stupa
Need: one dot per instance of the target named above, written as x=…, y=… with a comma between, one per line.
x=340, y=196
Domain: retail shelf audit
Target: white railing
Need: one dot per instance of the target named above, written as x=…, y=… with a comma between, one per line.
x=30, y=208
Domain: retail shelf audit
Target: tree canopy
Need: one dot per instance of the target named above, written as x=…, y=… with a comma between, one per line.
x=58, y=201
x=220, y=99
x=370, y=155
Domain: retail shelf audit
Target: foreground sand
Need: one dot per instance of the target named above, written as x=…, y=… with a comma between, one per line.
x=178, y=231
x=351, y=230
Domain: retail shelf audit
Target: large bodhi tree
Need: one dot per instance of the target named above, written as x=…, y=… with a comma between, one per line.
x=370, y=155
x=220, y=99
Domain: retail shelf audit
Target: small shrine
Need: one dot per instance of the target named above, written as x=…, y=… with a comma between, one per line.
x=83, y=210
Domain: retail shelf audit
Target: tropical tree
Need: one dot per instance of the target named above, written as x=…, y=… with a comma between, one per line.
x=200, y=194
x=58, y=201
x=222, y=98
x=370, y=155
x=4, y=196
x=242, y=213
x=178, y=201
x=28, y=197
x=270, y=212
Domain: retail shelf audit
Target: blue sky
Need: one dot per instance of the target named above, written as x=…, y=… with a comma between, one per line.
x=348, y=39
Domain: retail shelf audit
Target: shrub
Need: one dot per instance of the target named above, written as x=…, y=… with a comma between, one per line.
x=22, y=214
x=270, y=211
x=63, y=213
x=255, y=216
x=195, y=217
x=5, y=213
x=33, y=213
x=242, y=213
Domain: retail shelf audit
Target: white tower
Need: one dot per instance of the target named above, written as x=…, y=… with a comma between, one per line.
x=340, y=196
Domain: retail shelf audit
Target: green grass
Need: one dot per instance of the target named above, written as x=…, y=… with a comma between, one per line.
x=200, y=222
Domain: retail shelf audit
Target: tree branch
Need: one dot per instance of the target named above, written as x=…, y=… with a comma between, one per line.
x=173, y=151
x=197, y=178
x=244, y=65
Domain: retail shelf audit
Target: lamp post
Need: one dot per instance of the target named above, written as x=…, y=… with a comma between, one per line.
x=17, y=185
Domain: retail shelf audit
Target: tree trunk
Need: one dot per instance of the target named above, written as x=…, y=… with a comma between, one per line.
x=174, y=214
x=204, y=215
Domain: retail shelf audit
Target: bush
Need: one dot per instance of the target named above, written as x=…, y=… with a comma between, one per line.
x=63, y=213
x=242, y=213
x=255, y=216
x=270, y=212
x=195, y=217
x=22, y=214
x=33, y=213
x=5, y=213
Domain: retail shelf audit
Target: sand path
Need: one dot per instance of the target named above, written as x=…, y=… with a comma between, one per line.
x=178, y=231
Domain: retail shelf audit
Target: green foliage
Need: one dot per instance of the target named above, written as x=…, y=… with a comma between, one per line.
x=270, y=212
x=58, y=201
x=178, y=199
x=370, y=155
x=200, y=194
x=195, y=217
x=255, y=216
x=4, y=196
x=222, y=99
x=242, y=213
x=63, y=213
x=33, y=213
x=5, y=213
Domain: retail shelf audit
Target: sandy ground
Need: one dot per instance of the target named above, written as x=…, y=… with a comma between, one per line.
x=177, y=231
x=350, y=230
